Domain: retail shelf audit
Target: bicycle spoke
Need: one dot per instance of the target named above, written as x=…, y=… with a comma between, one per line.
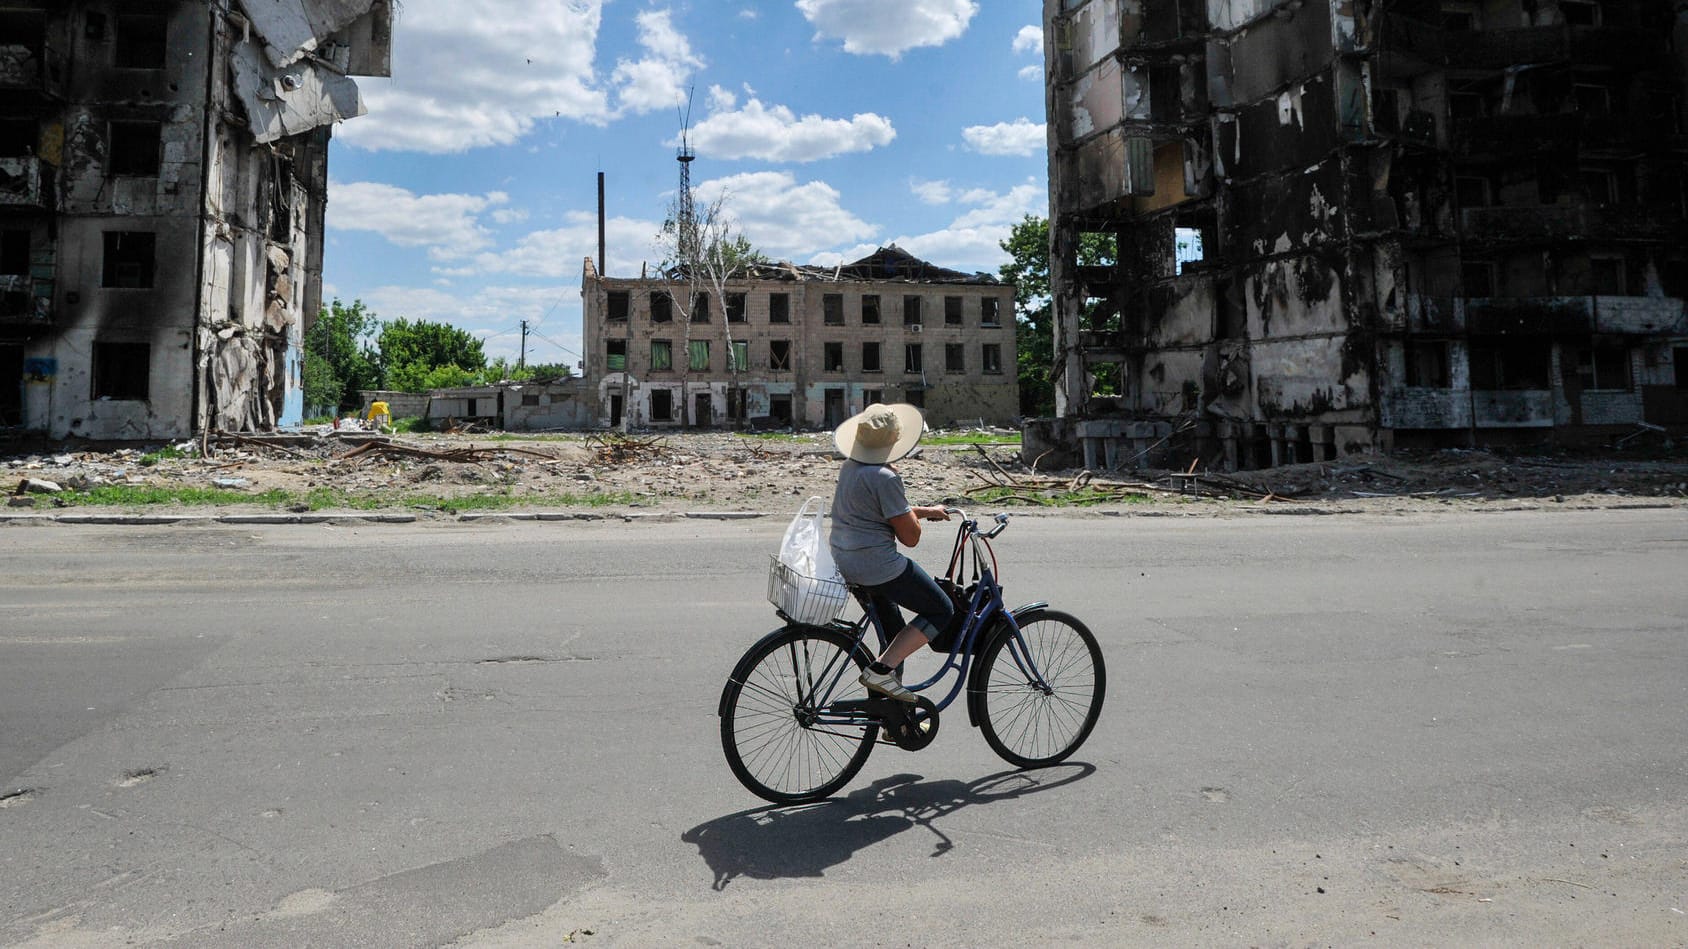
x=1042, y=690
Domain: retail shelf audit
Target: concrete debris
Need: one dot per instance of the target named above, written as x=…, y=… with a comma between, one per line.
x=38, y=486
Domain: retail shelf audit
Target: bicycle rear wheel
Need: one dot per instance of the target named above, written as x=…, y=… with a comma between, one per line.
x=781, y=728
x=1023, y=723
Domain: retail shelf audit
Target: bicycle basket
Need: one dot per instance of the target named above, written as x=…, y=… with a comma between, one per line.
x=806, y=599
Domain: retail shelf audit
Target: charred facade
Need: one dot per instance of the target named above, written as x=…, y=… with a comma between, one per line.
x=1351, y=225
x=163, y=167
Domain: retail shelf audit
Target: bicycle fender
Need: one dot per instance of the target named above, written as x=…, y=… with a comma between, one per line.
x=976, y=675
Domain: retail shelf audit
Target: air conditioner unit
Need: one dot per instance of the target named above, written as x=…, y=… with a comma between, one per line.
x=914, y=327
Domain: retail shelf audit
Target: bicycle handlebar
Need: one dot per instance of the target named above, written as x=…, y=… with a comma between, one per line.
x=972, y=525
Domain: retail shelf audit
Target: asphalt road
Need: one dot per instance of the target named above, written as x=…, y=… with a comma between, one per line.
x=1425, y=729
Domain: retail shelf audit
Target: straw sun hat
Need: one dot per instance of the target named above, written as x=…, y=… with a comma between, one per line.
x=880, y=434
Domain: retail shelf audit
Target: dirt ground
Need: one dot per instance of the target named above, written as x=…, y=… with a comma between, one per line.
x=720, y=472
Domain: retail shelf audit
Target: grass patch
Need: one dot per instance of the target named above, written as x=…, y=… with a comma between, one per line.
x=971, y=438
x=1083, y=497
x=168, y=451
x=329, y=499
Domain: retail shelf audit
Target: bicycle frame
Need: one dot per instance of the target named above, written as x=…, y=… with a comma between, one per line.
x=985, y=608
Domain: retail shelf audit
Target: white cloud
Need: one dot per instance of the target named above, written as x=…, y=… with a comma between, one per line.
x=467, y=76
x=1019, y=137
x=1030, y=73
x=931, y=192
x=557, y=253
x=888, y=27
x=658, y=79
x=783, y=218
x=775, y=133
x=1028, y=40
x=494, y=314
x=971, y=242
x=509, y=215
x=447, y=224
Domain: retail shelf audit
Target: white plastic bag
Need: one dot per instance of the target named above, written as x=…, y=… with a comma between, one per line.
x=804, y=582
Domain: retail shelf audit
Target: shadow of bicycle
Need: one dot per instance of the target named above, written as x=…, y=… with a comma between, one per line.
x=768, y=843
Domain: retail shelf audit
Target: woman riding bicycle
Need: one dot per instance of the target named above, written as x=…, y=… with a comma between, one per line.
x=870, y=516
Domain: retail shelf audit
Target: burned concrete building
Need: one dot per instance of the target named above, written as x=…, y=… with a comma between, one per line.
x=1349, y=225
x=163, y=168
x=802, y=346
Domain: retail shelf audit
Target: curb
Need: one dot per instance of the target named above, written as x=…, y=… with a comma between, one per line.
x=141, y=520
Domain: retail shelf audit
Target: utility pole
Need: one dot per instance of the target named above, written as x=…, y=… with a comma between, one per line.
x=521, y=357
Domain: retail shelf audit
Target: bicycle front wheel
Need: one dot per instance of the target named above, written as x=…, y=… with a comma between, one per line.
x=786, y=735
x=1024, y=722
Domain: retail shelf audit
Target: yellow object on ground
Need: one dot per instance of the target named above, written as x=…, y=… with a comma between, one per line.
x=380, y=414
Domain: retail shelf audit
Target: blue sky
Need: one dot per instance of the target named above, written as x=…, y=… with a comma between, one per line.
x=468, y=194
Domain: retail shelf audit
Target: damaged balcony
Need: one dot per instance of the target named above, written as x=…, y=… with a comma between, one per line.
x=25, y=182
x=1410, y=45
x=1561, y=222
x=28, y=64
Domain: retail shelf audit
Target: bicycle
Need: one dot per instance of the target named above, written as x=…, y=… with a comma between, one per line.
x=797, y=725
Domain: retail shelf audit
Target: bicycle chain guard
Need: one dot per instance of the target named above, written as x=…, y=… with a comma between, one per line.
x=910, y=727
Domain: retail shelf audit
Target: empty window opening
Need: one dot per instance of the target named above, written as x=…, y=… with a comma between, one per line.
x=1592, y=98
x=18, y=137
x=697, y=355
x=1606, y=276
x=1460, y=17
x=870, y=309
x=1605, y=365
x=1579, y=12
x=738, y=356
x=662, y=405
x=952, y=311
x=662, y=355
x=735, y=308
x=991, y=357
x=1600, y=185
x=990, y=311
x=955, y=359
x=662, y=306
x=911, y=311
x=615, y=355
x=1467, y=105
x=1471, y=191
x=779, y=308
x=779, y=406
x=832, y=357
x=872, y=397
x=915, y=397
x=911, y=358
x=129, y=257
x=779, y=354
x=530, y=399
x=1187, y=247
x=1427, y=364
x=832, y=309
x=122, y=370
x=1510, y=364
x=619, y=304
x=700, y=308
x=1679, y=362
x=14, y=252
x=737, y=404
x=135, y=148
x=1478, y=277
x=141, y=41
x=870, y=357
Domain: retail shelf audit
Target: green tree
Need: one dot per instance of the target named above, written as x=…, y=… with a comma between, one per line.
x=1028, y=270
x=337, y=359
x=416, y=356
x=701, y=253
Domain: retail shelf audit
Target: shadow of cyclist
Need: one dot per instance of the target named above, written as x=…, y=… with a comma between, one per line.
x=767, y=843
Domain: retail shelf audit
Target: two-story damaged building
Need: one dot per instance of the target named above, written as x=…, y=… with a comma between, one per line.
x=802, y=346
x=1348, y=225
x=163, y=167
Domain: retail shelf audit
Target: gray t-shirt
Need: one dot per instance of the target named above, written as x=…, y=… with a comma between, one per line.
x=863, y=544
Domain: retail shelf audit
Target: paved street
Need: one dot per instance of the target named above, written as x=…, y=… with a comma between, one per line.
x=1419, y=729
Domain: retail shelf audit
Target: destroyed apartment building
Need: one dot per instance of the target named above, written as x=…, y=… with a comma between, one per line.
x=163, y=168
x=1345, y=226
x=801, y=346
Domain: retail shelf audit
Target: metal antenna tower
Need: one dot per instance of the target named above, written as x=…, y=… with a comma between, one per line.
x=688, y=214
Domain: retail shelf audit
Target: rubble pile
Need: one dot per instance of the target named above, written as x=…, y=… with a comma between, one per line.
x=721, y=471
